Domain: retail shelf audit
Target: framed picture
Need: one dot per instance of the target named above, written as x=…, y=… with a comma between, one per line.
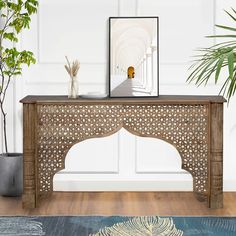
x=133, y=57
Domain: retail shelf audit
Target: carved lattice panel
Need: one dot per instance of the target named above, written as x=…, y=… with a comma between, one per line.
x=61, y=126
x=184, y=126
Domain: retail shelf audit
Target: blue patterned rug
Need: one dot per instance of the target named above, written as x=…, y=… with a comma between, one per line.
x=117, y=225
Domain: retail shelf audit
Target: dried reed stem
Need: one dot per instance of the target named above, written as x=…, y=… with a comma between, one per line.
x=72, y=68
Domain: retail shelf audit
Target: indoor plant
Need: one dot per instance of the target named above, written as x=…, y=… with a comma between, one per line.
x=15, y=16
x=212, y=60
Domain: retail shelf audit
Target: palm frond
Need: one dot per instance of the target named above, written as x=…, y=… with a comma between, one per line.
x=230, y=58
x=218, y=68
x=222, y=36
x=229, y=14
x=210, y=61
x=233, y=10
x=226, y=27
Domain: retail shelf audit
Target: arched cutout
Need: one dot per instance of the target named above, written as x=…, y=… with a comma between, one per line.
x=82, y=152
x=89, y=156
x=154, y=155
x=113, y=132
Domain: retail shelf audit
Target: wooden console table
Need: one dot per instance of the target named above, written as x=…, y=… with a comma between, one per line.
x=192, y=124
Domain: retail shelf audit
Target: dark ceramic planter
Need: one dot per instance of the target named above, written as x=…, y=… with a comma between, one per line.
x=11, y=174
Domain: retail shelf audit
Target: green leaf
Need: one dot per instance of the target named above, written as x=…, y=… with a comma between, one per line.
x=222, y=36
x=11, y=36
x=13, y=6
x=233, y=10
x=218, y=69
x=226, y=27
x=31, y=6
x=231, y=64
x=17, y=73
x=231, y=14
x=7, y=72
x=224, y=86
x=224, y=44
x=198, y=67
x=204, y=70
x=231, y=87
x=2, y=4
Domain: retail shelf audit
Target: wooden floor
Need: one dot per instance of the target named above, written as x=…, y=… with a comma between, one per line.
x=120, y=203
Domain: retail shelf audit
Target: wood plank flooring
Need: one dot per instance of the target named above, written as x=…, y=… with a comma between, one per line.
x=120, y=203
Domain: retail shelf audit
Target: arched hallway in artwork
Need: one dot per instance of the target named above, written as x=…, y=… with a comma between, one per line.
x=129, y=88
x=134, y=45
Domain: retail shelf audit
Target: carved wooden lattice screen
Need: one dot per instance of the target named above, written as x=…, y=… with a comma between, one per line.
x=185, y=124
x=61, y=126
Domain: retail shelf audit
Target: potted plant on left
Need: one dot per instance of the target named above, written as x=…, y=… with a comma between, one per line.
x=14, y=17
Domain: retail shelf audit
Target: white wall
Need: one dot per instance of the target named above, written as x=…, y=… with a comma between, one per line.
x=79, y=29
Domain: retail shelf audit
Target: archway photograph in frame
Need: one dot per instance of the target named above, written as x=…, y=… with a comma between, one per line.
x=133, y=57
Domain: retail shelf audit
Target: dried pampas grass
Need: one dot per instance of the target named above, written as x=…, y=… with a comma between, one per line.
x=72, y=68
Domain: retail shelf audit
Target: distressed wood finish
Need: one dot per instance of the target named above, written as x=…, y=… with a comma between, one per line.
x=216, y=156
x=161, y=99
x=29, y=150
x=193, y=124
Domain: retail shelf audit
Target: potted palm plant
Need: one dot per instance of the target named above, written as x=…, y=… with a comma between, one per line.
x=210, y=61
x=14, y=17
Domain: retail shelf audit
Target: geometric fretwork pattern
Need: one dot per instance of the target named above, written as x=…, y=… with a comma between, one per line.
x=185, y=126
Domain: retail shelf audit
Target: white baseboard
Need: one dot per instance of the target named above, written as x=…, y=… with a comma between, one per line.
x=229, y=185
x=93, y=186
x=100, y=186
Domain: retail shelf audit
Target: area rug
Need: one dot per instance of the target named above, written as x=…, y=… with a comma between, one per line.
x=117, y=226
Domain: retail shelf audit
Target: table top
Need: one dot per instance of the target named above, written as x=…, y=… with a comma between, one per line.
x=160, y=99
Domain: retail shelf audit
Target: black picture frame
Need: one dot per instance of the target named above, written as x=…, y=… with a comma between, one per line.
x=121, y=78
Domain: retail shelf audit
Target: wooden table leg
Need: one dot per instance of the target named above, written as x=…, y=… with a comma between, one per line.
x=216, y=157
x=29, y=194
